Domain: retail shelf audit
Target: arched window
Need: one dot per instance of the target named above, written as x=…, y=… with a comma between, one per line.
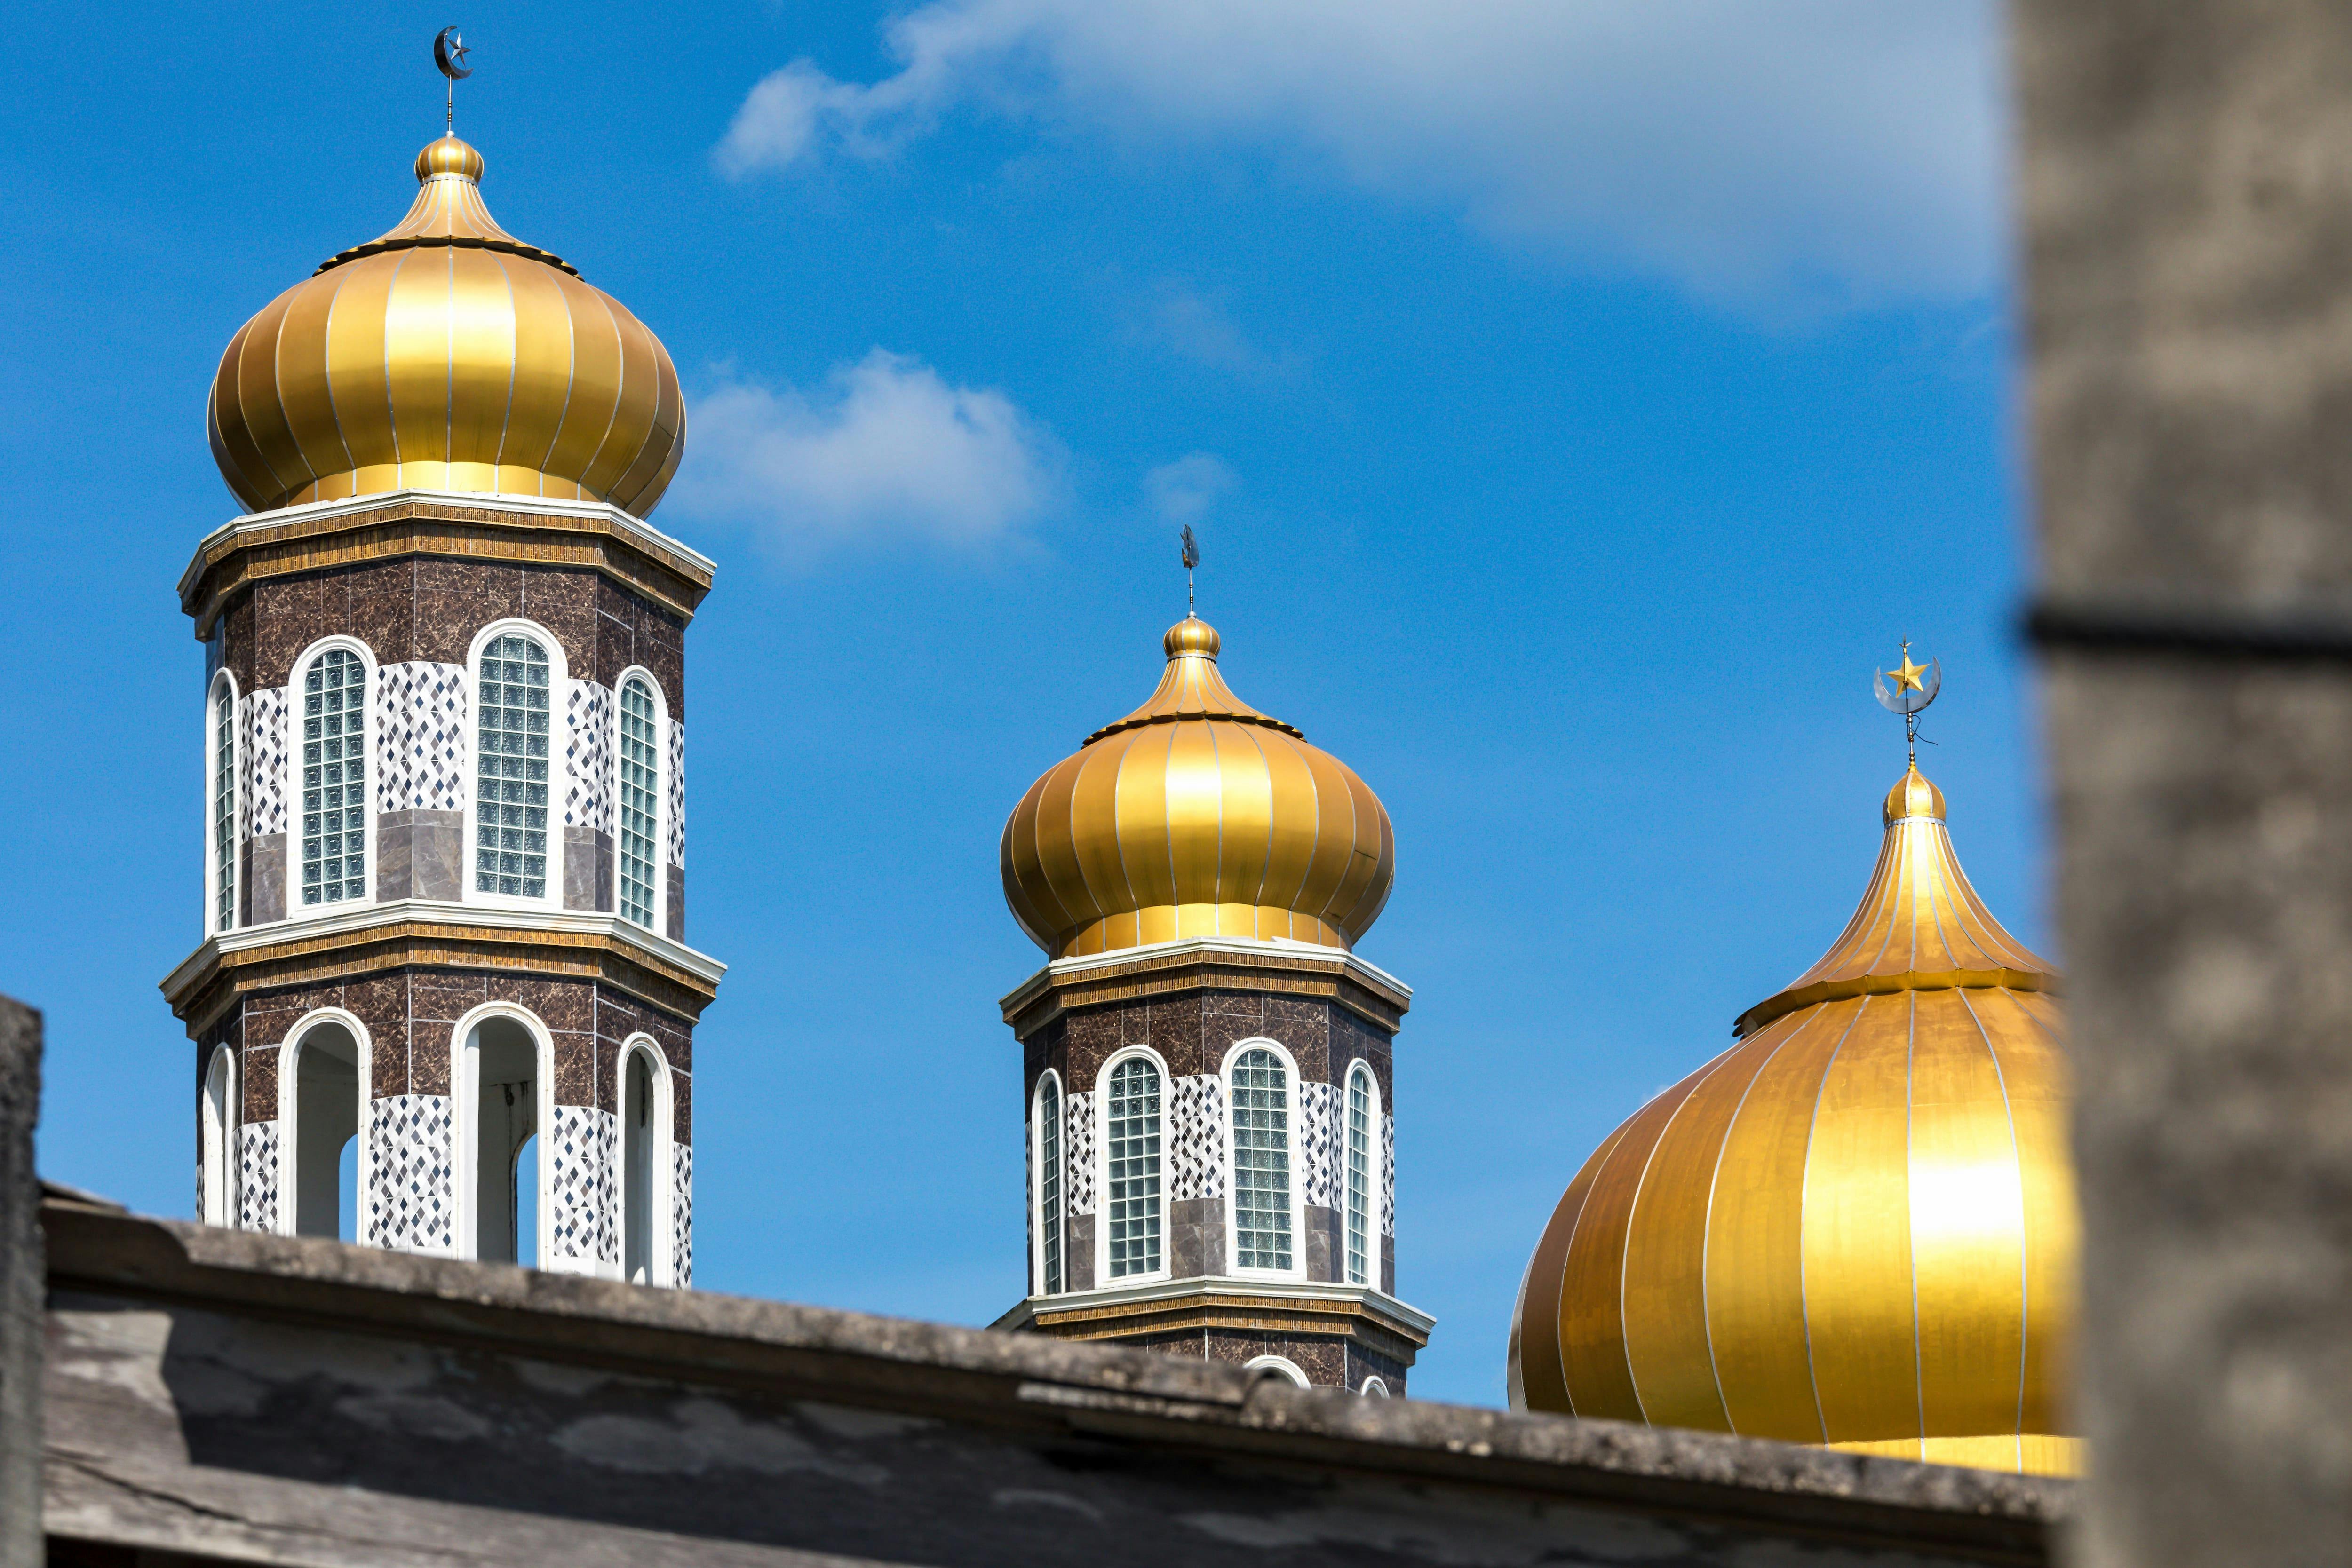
x=497, y=1112
x=1280, y=1366
x=326, y=1069
x=334, y=778
x=1131, y=1150
x=513, y=707
x=223, y=801
x=1363, y=1114
x=640, y=800
x=217, y=1173
x=1261, y=1112
x=1050, y=1185
x=644, y=1168
x=1374, y=1388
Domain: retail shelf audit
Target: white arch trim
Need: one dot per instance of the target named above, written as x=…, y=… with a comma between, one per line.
x=370, y=770
x=1102, y=1165
x=1297, y=1270
x=216, y=1140
x=558, y=671
x=1375, y=1219
x=1374, y=1388
x=464, y=1131
x=1277, y=1367
x=290, y=1131
x=224, y=689
x=663, y=1266
x=663, y=763
x=1037, y=1176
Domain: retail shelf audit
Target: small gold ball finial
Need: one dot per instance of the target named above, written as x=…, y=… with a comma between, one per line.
x=1191, y=635
x=1913, y=796
x=449, y=156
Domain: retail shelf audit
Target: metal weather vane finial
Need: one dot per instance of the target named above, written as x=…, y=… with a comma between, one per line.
x=1914, y=687
x=1191, y=559
x=449, y=52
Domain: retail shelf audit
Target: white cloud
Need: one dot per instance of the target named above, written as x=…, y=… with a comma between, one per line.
x=886, y=449
x=1821, y=150
x=1183, y=491
x=1198, y=330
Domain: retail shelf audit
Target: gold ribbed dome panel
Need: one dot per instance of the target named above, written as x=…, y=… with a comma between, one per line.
x=1196, y=816
x=446, y=354
x=1857, y=1225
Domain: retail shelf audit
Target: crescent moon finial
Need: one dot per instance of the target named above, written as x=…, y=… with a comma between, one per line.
x=449, y=52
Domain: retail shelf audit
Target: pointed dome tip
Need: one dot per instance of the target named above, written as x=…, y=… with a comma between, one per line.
x=449, y=156
x=1191, y=635
x=1913, y=796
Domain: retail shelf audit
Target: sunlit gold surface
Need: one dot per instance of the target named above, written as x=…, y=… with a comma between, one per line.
x=1857, y=1225
x=446, y=355
x=1196, y=816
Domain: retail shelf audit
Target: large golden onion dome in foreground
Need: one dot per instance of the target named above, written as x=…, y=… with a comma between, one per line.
x=1857, y=1225
x=1196, y=815
x=446, y=355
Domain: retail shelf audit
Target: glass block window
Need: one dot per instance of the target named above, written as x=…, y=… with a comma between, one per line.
x=1261, y=1101
x=1359, y=1176
x=334, y=778
x=1132, y=1145
x=1049, y=1183
x=514, y=705
x=640, y=789
x=223, y=808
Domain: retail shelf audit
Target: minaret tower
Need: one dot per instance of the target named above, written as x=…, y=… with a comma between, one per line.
x=1206, y=1064
x=444, y=1001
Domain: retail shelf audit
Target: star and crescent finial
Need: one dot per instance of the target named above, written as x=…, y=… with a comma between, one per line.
x=1192, y=557
x=1907, y=689
x=449, y=52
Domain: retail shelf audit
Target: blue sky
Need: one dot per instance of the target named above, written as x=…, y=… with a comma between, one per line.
x=1574, y=403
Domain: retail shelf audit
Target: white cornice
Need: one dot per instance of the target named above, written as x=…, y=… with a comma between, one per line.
x=1243, y=947
x=1380, y=1303
x=361, y=918
x=625, y=523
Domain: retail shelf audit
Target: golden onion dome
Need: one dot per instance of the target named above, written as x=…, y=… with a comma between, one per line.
x=1856, y=1227
x=1196, y=815
x=446, y=355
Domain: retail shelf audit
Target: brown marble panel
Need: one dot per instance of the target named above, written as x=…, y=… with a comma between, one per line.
x=674, y=913
x=1079, y=1263
x=1225, y=1344
x=261, y=1082
x=293, y=613
x=681, y=1108
x=444, y=996
x=564, y=602
x=1305, y=1028
x=1248, y=1007
x=608, y=1074
x=1324, y=1361
x=575, y=1070
x=616, y=632
x=567, y=1007
x=428, y=1062
x=617, y=1016
x=677, y=1044
x=383, y=609
x=450, y=607
x=237, y=641
x=1172, y=1028
x=1174, y=1341
x=1092, y=1035
x=661, y=649
x=1363, y=1364
x=1197, y=1237
x=502, y=589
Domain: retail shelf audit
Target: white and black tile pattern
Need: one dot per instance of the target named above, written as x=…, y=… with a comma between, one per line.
x=677, y=793
x=588, y=755
x=1318, y=1140
x=264, y=717
x=420, y=737
x=580, y=1185
x=681, y=1215
x=411, y=1200
x=1387, y=1175
x=1196, y=1138
x=256, y=1176
x=1080, y=1113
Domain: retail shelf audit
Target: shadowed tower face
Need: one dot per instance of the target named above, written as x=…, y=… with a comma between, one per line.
x=1207, y=1066
x=444, y=1001
x=1856, y=1227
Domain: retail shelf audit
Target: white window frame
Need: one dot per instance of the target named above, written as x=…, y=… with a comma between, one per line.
x=1297, y=1270
x=1373, y=1218
x=1374, y=1387
x=1037, y=1178
x=216, y=1140
x=290, y=1131
x=661, y=795
x=1103, y=1278
x=224, y=687
x=465, y=1123
x=558, y=674
x=1280, y=1366
x=369, y=762
x=662, y=1265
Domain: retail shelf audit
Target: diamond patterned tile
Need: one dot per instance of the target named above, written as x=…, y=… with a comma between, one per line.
x=682, y=1215
x=1319, y=1107
x=1387, y=1175
x=1196, y=1139
x=1081, y=1123
x=263, y=713
x=420, y=737
x=580, y=1185
x=588, y=755
x=256, y=1176
x=677, y=793
x=411, y=1198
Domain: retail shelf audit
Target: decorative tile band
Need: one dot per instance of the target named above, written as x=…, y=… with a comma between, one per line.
x=1387, y=1175
x=681, y=1214
x=411, y=1198
x=257, y=1173
x=420, y=737
x=263, y=713
x=588, y=755
x=1195, y=1144
x=677, y=793
x=1079, y=1122
x=1317, y=1139
x=580, y=1185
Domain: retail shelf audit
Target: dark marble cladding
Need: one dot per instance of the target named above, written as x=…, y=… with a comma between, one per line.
x=580, y=867
x=1196, y=1236
x=1196, y=1030
x=1388, y=1265
x=411, y=1016
x=1080, y=1252
x=265, y=879
x=1326, y=1243
x=1363, y=1364
x=1324, y=1361
x=604, y=892
x=234, y=632
x=629, y=631
x=674, y=910
x=417, y=855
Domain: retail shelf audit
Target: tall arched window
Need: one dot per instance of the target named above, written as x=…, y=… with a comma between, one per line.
x=1050, y=1184
x=1131, y=1149
x=514, y=707
x=216, y=1196
x=223, y=800
x=334, y=778
x=644, y=1166
x=640, y=799
x=1363, y=1113
x=326, y=1107
x=497, y=1114
x=1261, y=1111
